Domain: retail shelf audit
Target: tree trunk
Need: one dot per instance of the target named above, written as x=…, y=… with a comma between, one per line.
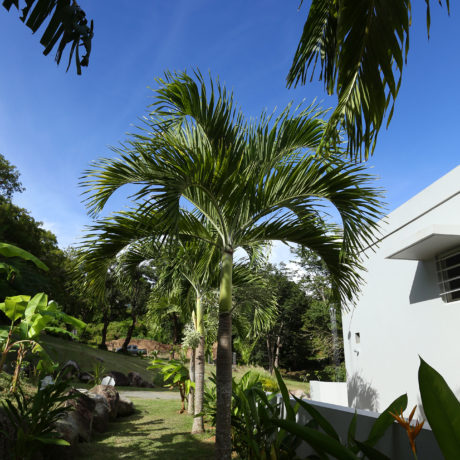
x=124, y=347
x=270, y=352
x=224, y=361
x=191, y=395
x=198, y=425
x=106, y=320
x=277, y=353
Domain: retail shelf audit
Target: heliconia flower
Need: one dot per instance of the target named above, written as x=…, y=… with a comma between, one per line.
x=411, y=430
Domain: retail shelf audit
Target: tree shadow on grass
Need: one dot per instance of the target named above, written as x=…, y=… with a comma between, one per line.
x=128, y=438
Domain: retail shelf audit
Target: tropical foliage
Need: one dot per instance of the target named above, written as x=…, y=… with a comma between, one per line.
x=206, y=173
x=33, y=418
x=360, y=51
x=66, y=23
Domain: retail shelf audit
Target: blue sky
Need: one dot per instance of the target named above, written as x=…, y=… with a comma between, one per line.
x=53, y=124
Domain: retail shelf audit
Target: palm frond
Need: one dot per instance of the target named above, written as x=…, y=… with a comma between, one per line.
x=360, y=47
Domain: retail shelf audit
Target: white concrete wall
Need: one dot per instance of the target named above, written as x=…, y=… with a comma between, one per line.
x=329, y=392
x=394, y=443
x=400, y=314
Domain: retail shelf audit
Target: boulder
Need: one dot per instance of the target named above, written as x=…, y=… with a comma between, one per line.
x=111, y=396
x=85, y=377
x=136, y=380
x=70, y=369
x=79, y=420
x=121, y=380
x=125, y=407
x=68, y=429
x=101, y=413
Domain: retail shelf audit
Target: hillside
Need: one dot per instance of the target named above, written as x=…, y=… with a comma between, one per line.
x=86, y=357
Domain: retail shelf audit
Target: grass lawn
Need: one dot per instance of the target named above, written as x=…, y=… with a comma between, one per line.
x=86, y=357
x=156, y=431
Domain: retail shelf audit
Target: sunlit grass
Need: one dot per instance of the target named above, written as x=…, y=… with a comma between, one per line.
x=156, y=431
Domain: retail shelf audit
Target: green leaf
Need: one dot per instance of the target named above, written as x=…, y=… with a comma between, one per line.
x=319, y=441
x=290, y=412
x=14, y=307
x=385, y=420
x=38, y=301
x=322, y=421
x=54, y=441
x=442, y=409
x=8, y=250
x=370, y=452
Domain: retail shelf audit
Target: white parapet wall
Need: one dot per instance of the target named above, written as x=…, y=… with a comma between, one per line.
x=329, y=392
x=394, y=444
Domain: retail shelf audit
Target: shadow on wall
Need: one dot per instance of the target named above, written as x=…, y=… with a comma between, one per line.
x=361, y=394
x=424, y=286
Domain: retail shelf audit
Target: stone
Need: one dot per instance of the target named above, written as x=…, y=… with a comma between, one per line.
x=85, y=377
x=108, y=380
x=121, y=380
x=111, y=395
x=70, y=369
x=101, y=413
x=81, y=418
x=136, y=380
x=125, y=407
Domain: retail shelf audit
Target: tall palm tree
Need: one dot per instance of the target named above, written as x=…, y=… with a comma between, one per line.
x=207, y=173
x=361, y=47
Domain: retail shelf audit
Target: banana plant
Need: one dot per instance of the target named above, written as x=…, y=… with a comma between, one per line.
x=176, y=371
x=30, y=316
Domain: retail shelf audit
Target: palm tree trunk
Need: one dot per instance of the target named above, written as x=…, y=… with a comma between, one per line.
x=129, y=334
x=198, y=426
x=106, y=320
x=277, y=353
x=191, y=395
x=270, y=352
x=224, y=361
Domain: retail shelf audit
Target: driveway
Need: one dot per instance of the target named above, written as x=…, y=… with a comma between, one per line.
x=150, y=394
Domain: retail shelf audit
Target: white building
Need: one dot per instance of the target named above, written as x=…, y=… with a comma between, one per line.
x=410, y=302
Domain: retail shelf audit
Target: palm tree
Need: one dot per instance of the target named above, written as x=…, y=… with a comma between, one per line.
x=361, y=47
x=66, y=24
x=206, y=173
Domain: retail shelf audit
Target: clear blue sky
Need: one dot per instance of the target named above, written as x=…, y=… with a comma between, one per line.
x=53, y=124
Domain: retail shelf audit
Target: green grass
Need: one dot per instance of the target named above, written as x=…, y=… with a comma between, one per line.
x=86, y=357
x=156, y=431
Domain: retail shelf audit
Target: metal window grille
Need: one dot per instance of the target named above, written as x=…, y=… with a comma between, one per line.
x=448, y=268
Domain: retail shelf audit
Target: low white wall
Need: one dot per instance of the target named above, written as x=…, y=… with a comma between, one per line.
x=329, y=392
x=394, y=443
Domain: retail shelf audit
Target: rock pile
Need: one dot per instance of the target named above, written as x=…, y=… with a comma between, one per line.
x=93, y=410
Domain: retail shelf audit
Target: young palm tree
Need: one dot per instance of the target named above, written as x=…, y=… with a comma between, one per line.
x=206, y=173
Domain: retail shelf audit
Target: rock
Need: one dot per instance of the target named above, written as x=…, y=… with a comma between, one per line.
x=111, y=395
x=81, y=418
x=121, y=380
x=68, y=429
x=85, y=377
x=125, y=407
x=70, y=369
x=101, y=413
x=136, y=380
x=7, y=434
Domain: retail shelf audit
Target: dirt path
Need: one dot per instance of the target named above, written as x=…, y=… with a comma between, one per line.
x=150, y=394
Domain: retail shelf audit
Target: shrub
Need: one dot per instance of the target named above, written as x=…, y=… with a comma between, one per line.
x=34, y=418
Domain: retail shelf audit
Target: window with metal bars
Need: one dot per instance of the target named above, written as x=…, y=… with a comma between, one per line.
x=448, y=267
